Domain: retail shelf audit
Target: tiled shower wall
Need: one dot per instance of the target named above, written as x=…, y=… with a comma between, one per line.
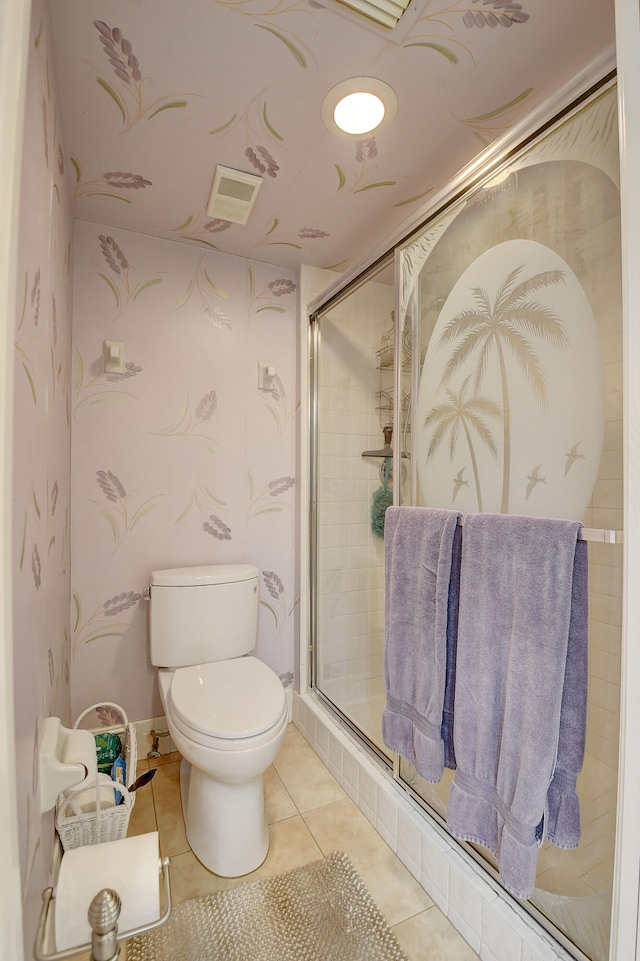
x=350, y=556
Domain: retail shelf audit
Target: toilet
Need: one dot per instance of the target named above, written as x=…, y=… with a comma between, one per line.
x=226, y=710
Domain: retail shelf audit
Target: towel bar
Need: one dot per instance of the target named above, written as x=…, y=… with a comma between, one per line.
x=592, y=534
x=601, y=536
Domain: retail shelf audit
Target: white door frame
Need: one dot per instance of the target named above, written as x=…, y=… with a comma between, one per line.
x=15, y=16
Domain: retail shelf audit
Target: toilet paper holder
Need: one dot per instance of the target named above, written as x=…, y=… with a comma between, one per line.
x=67, y=759
x=39, y=947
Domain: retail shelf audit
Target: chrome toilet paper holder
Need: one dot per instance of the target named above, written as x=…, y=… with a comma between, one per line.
x=103, y=918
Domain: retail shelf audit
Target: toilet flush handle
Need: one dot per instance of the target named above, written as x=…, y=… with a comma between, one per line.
x=146, y=594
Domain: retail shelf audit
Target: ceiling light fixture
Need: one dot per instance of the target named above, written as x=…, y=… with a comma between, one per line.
x=359, y=106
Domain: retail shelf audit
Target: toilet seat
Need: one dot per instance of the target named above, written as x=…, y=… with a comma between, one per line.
x=222, y=703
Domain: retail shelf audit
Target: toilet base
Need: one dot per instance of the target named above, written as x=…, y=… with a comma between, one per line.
x=225, y=823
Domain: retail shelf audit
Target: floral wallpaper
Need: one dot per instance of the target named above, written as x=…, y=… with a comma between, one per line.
x=181, y=458
x=154, y=100
x=41, y=455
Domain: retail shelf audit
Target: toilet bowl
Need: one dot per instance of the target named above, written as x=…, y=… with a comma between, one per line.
x=228, y=719
x=226, y=710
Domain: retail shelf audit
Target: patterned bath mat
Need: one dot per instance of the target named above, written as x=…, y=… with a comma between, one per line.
x=320, y=912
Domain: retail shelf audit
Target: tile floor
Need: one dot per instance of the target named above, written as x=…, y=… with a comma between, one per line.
x=309, y=816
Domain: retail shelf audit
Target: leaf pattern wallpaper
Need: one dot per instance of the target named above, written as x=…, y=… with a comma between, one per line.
x=183, y=459
x=41, y=455
x=241, y=83
x=178, y=459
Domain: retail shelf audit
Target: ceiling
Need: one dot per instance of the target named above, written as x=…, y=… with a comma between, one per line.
x=156, y=93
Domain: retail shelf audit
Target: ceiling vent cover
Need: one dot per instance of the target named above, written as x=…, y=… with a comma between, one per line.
x=385, y=12
x=233, y=195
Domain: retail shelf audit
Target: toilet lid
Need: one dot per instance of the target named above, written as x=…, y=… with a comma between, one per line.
x=228, y=699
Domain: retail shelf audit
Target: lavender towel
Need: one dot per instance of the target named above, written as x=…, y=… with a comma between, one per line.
x=521, y=689
x=420, y=591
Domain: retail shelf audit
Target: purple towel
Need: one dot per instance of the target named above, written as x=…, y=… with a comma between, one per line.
x=521, y=689
x=421, y=585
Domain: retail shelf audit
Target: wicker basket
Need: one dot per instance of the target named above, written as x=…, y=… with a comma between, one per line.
x=88, y=815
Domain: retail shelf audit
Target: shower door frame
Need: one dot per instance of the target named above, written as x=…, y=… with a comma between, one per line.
x=594, y=81
x=382, y=262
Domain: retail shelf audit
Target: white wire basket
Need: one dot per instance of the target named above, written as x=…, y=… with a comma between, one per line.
x=89, y=814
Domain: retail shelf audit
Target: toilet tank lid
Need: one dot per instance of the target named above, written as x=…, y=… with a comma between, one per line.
x=207, y=574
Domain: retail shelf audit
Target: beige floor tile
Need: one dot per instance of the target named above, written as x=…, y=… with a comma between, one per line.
x=142, y=765
x=342, y=827
x=165, y=759
x=166, y=789
x=143, y=815
x=304, y=775
x=290, y=846
x=166, y=797
x=173, y=838
x=277, y=800
x=430, y=936
x=190, y=879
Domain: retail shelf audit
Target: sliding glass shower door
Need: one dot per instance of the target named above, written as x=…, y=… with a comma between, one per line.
x=354, y=415
x=492, y=372
x=514, y=297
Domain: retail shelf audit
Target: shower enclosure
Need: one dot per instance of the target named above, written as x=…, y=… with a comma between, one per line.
x=477, y=366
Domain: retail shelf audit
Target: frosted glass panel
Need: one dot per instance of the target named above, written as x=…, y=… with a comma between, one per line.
x=513, y=299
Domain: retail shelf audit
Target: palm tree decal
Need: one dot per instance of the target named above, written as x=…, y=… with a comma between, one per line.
x=460, y=413
x=504, y=327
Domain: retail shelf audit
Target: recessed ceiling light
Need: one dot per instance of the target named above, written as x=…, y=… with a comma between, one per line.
x=359, y=112
x=359, y=106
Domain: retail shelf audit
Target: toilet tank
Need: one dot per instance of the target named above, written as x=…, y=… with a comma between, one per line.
x=202, y=614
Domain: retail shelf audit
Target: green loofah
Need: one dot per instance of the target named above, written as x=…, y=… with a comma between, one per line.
x=382, y=498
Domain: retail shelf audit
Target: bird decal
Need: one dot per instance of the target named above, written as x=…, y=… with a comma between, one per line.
x=458, y=482
x=572, y=456
x=534, y=478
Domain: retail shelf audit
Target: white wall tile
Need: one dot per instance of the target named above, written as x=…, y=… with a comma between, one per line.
x=367, y=795
x=464, y=897
x=434, y=869
x=387, y=815
x=487, y=955
x=409, y=839
x=470, y=934
x=335, y=758
x=499, y=930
